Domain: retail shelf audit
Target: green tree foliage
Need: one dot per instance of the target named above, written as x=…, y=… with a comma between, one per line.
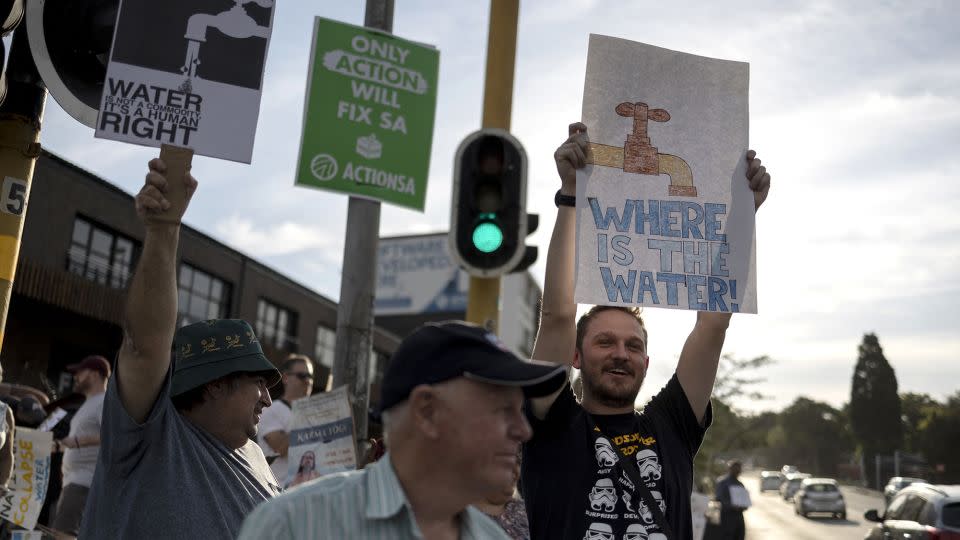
x=937, y=438
x=874, y=402
x=811, y=435
x=915, y=411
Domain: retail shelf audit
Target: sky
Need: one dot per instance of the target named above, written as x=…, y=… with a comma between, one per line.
x=854, y=108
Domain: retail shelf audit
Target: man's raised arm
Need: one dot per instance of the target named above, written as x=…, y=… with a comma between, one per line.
x=151, y=312
x=697, y=368
x=557, y=334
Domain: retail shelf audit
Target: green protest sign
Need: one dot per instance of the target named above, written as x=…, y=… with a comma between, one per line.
x=368, y=117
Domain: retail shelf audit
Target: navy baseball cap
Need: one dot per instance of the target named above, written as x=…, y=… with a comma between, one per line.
x=438, y=352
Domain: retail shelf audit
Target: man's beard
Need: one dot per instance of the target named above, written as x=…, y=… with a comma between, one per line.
x=616, y=397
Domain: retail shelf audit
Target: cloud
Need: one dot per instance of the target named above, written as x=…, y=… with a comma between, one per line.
x=284, y=238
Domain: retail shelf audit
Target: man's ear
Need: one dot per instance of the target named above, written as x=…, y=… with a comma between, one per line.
x=576, y=358
x=424, y=410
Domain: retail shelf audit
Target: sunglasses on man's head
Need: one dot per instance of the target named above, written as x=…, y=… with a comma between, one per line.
x=300, y=375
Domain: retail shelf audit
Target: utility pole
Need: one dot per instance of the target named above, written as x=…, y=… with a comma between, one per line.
x=354, y=343
x=20, y=117
x=483, y=300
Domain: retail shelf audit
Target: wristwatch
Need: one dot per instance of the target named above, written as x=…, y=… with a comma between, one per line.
x=564, y=200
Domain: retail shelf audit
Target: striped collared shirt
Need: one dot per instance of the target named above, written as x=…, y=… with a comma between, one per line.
x=358, y=504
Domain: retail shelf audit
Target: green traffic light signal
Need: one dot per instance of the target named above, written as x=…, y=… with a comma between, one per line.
x=487, y=236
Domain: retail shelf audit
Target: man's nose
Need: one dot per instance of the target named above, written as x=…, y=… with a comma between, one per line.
x=521, y=430
x=265, y=395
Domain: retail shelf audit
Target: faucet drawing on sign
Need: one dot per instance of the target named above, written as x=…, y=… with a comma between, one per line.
x=639, y=156
x=235, y=23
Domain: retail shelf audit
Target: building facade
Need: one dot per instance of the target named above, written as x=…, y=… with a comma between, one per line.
x=80, y=245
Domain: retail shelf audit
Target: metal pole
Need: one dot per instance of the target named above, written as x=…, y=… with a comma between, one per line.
x=896, y=463
x=354, y=343
x=876, y=460
x=483, y=300
x=20, y=118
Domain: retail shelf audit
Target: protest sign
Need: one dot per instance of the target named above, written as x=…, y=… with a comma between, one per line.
x=27, y=488
x=665, y=215
x=368, y=118
x=187, y=73
x=321, y=436
x=415, y=274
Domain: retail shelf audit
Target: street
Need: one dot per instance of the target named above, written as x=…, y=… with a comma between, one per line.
x=772, y=517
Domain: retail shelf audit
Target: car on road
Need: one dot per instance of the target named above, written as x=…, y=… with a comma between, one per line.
x=770, y=480
x=919, y=511
x=820, y=496
x=791, y=484
x=896, y=484
x=788, y=469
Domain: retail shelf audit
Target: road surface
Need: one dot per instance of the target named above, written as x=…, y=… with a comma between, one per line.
x=772, y=517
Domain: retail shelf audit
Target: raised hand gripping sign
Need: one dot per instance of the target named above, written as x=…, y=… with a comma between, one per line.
x=665, y=216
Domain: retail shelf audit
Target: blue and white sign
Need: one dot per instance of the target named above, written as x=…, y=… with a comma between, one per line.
x=417, y=275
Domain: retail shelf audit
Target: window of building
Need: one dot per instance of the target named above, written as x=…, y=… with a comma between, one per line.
x=323, y=350
x=100, y=254
x=276, y=326
x=201, y=296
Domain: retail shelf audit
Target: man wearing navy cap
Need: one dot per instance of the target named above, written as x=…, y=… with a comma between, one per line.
x=82, y=444
x=177, y=459
x=452, y=408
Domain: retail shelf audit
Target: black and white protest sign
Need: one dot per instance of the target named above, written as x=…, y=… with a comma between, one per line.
x=187, y=73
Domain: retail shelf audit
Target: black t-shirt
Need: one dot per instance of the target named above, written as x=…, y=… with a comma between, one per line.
x=574, y=489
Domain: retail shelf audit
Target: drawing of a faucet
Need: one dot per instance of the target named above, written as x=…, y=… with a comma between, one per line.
x=235, y=22
x=639, y=156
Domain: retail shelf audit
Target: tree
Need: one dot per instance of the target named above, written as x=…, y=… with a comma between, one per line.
x=874, y=403
x=812, y=435
x=937, y=439
x=915, y=411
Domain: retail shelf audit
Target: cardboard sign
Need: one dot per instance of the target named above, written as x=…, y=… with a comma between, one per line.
x=321, y=437
x=368, y=118
x=665, y=215
x=23, y=500
x=187, y=73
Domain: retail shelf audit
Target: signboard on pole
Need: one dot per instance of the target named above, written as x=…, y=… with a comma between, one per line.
x=665, y=215
x=368, y=119
x=187, y=73
x=416, y=275
x=27, y=489
x=321, y=437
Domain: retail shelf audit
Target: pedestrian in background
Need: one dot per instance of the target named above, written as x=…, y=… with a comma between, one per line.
x=82, y=444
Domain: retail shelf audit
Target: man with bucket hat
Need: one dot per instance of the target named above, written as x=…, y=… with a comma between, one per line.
x=452, y=409
x=177, y=459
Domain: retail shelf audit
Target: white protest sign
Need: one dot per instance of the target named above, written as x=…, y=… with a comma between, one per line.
x=321, y=437
x=188, y=73
x=665, y=215
x=416, y=274
x=27, y=488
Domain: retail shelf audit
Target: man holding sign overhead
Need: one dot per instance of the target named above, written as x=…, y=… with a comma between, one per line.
x=177, y=459
x=597, y=469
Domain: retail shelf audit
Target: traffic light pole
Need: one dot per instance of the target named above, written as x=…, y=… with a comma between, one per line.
x=20, y=117
x=354, y=342
x=483, y=300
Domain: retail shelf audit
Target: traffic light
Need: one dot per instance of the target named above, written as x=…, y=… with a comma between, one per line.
x=70, y=41
x=488, y=218
x=11, y=12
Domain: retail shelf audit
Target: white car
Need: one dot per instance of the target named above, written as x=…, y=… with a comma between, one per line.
x=791, y=484
x=820, y=495
x=770, y=480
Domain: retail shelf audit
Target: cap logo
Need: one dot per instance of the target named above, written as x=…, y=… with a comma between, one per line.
x=209, y=345
x=251, y=337
x=186, y=351
x=233, y=342
x=495, y=341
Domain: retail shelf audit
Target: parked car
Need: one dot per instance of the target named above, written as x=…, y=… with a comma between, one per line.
x=791, y=484
x=919, y=511
x=770, y=480
x=895, y=485
x=820, y=495
x=788, y=469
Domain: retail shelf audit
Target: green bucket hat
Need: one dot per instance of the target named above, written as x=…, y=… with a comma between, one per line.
x=206, y=351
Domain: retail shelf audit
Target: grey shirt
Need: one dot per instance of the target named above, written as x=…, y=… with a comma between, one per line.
x=167, y=478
